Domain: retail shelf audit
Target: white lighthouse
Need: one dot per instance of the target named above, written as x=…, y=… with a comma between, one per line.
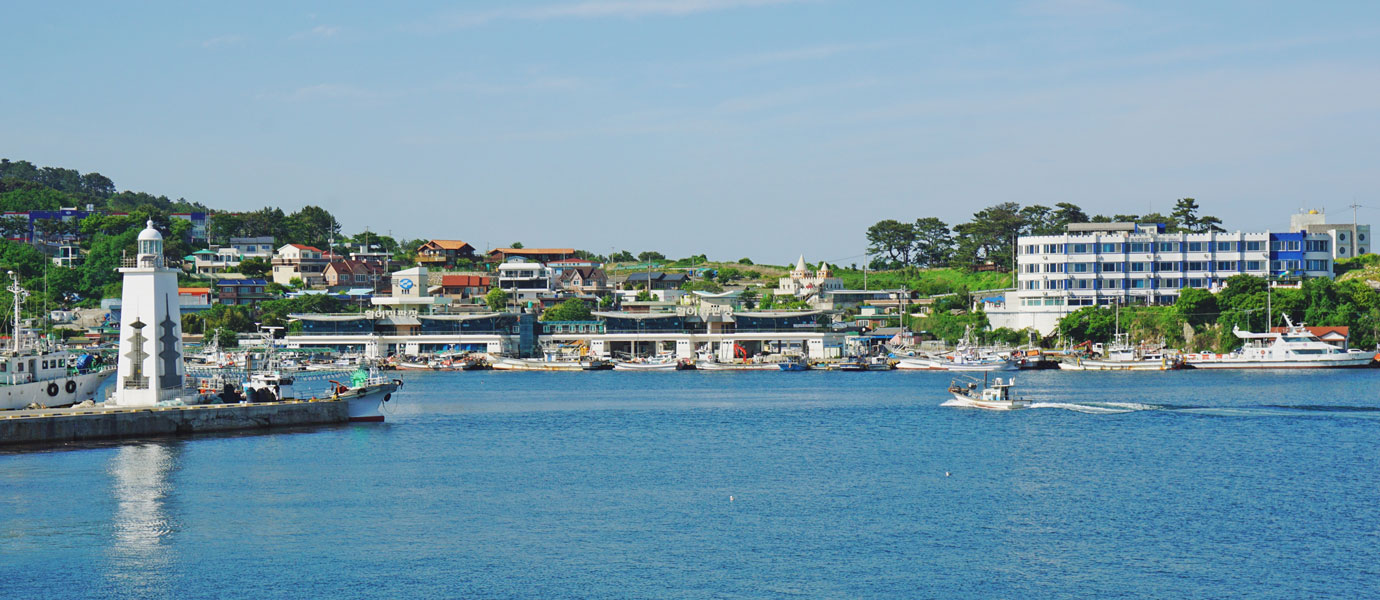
x=150, y=362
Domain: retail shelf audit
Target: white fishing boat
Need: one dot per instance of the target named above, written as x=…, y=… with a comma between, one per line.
x=659, y=363
x=920, y=363
x=36, y=374
x=714, y=365
x=1122, y=356
x=1293, y=348
x=996, y=396
x=977, y=362
x=874, y=363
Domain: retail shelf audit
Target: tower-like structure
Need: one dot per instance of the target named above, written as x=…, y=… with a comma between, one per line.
x=150, y=361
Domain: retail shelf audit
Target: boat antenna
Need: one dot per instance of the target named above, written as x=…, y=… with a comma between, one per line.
x=19, y=294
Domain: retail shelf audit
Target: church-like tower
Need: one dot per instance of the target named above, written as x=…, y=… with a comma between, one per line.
x=150, y=362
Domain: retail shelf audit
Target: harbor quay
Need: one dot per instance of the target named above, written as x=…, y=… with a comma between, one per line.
x=64, y=425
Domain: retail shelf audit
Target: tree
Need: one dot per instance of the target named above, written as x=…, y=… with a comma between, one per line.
x=497, y=299
x=1091, y=323
x=650, y=256
x=622, y=256
x=645, y=296
x=515, y=245
x=1066, y=213
x=570, y=309
x=1039, y=220
x=254, y=267
x=893, y=240
x=933, y=245
x=703, y=285
x=990, y=235
x=312, y=225
x=745, y=261
x=1197, y=306
x=1186, y=215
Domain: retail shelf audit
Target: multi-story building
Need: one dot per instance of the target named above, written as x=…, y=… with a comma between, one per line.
x=295, y=261
x=1108, y=263
x=242, y=292
x=525, y=281
x=541, y=255
x=1348, y=239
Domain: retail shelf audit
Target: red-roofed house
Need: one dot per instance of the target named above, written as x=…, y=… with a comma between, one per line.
x=443, y=253
x=355, y=273
x=295, y=261
x=1337, y=336
x=194, y=298
x=464, y=287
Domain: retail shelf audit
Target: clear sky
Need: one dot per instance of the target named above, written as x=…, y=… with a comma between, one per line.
x=763, y=128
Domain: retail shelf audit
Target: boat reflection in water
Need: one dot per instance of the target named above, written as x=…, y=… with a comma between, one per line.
x=139, y=552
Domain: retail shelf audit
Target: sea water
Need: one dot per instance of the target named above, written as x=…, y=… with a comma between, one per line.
x=733, y=485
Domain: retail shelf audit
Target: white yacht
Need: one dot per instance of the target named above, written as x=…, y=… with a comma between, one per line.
x=1294, y=348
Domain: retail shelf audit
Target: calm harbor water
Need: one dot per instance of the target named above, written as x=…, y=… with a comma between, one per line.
x=611, y=484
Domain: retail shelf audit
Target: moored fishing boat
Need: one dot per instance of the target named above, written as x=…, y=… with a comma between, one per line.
x=794, y=363
x=34, y=373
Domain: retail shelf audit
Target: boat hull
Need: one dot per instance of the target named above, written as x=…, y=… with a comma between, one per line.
x=53, y=393
x=366, y=403
x=984, y=367
x=1118, y=365
x=1351, y=360
x=632, y=366
x=968, y=401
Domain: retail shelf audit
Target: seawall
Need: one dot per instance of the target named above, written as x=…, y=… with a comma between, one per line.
x=56, y=426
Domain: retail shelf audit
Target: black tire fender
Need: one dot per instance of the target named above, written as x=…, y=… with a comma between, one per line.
x=71, y=386
x=53, y=389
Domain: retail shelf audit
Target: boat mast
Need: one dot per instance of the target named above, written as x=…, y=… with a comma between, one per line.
x=19, y=294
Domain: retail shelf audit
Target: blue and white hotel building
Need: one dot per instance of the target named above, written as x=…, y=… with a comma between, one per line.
x=1107, y=263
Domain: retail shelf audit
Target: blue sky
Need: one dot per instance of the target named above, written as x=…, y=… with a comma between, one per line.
x=763, y=128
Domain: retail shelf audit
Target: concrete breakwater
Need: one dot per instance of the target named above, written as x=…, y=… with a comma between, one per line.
x=60, y=425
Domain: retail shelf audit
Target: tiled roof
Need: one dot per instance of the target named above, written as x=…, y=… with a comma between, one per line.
x=448, y=244
x=464, y=281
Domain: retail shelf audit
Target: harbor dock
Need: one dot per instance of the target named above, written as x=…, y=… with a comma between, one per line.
x=63, y=425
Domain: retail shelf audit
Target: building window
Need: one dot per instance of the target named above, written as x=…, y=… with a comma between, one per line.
x=1140, y=247
x=1168, y=266
x=1197, y=283
x=1138, y=267
x=1253, y=265
x=1168, y=246
x=1225, y=246
x=1195, y=246
x=1113, y=267
x=1112, y=284
x=1197, y=266
x=1111, y=248
x=1317, y=265
x=1080, y=267
x=1316, y=246
x=1080, y=248
x=1253, y=246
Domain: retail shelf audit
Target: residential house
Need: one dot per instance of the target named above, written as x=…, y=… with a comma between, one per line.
x=355, y=273
x=500, y=256
x=443, y=253
x=655, y=280
x=525, y=280
x=587, y=280
x=295, y=261
x=253, y=247
x=242, y=292
x=193, y=299
x=467, y=289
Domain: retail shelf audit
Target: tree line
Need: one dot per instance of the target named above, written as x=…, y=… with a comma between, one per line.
x=989, y=238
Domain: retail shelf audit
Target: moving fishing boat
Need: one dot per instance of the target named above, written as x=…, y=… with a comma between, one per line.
x=996, y=396
x=1293, y=348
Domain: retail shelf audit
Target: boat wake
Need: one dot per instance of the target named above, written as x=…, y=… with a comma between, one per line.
x=1098, y=408
x=1261, y=410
